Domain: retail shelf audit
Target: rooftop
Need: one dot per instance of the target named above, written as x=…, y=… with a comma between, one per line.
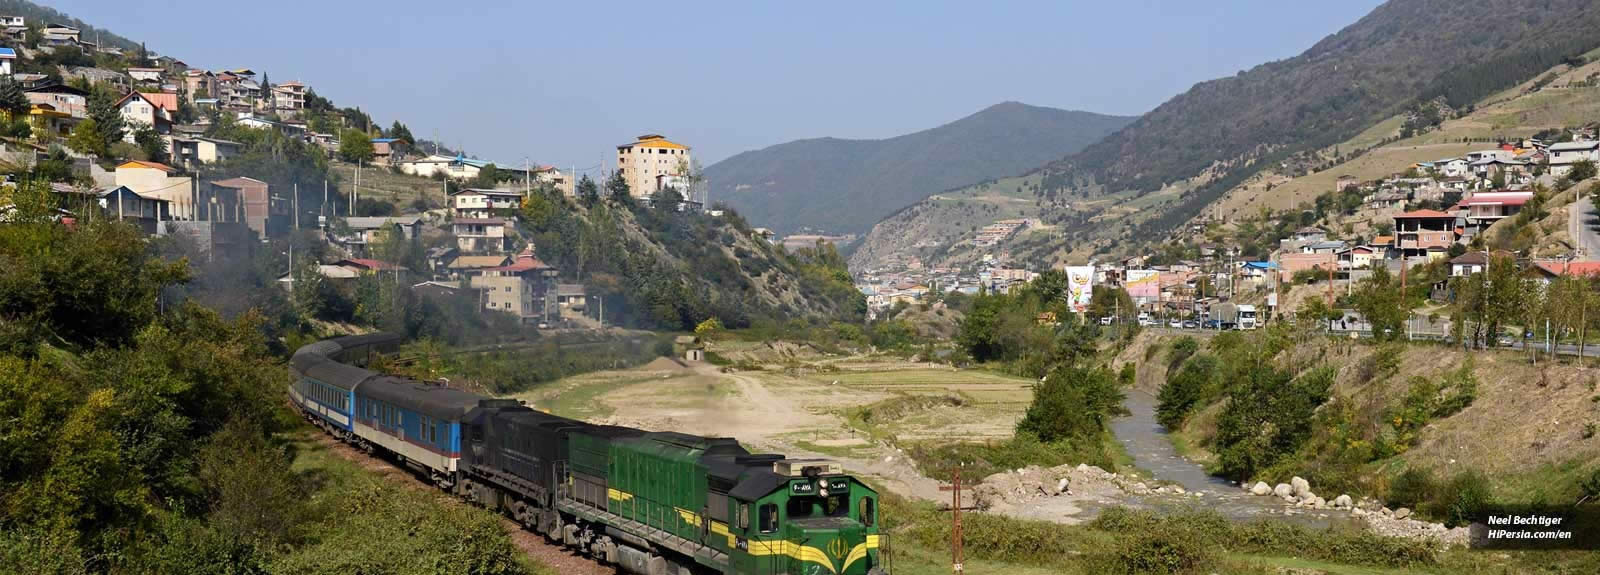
x=1422, y=214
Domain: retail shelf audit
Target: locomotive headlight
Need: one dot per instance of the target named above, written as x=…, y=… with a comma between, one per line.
x=823, y=489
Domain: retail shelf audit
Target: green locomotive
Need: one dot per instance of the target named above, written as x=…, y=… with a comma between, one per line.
x=663, y=503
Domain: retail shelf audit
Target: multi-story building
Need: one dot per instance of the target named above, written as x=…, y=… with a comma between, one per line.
x=266, y=216
x=200, y=84
x=479, y=235
x=526, y=288
x=484, y=203
x=1424, y=233
x=645, y=162
x=289, y=96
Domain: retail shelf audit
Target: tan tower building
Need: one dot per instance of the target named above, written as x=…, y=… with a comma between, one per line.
x=653, y=162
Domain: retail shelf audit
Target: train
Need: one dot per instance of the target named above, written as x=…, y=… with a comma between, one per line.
x=648, y=503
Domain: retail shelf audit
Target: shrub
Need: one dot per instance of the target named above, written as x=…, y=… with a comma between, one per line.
x=1464, y=499
x=1186, y=390
x=1413, y=487
x=1162, y=551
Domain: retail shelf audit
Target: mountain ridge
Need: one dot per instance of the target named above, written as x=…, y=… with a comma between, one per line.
x=802, y=183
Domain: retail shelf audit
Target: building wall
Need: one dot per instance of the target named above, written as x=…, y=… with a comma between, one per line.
x=640, y=164
x=157, y=184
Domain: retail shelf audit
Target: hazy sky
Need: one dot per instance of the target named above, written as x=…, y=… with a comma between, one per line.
x=565, y=82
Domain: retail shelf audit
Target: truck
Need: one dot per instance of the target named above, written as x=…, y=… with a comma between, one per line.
x=1236, y=316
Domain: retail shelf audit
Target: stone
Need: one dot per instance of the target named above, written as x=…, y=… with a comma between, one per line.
x=1177, y=489
x=1301, y=486
x=1402, y=513
x=1283, y=490
x=1387, y=512
x=1319, y=503
x=1260, y=488
x=1342, y=501
x=1358, y=512
x=1061, y=486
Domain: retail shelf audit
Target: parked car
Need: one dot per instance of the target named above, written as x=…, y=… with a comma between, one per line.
x=1190, y=324
x=1175, y=324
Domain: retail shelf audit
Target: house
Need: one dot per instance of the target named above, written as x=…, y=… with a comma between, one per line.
x=1482, y=210
x=439, y=259
x=554, y=177
x=61, y=98
x=147, y=75
x=1481, y=155
x=1471, y=262
x=571, y=300
x=7, y=56
x=455, y=167
x=469, y=266
x=133, y=208
x=48, y=123
x=364, y=229
x=1551, y=269
x=651, y=155
x=1424, y=233
x=59, y=35
x=1289, y=264
x=1450, y=167
x=484, y=203
x=265, y=216
x=160, y=181
x=1357, y=257
x=154, y=110
x=1323, y=247
x=436, y=289
x=1563, y=155
x=195, y=151
x=199, y=85
x=387, y=151
x=13, y=22
x=525, y=288
x=1310, y=235
x=1345, y=181
x=480, y=235
x=289, y=96
x=1257, y=272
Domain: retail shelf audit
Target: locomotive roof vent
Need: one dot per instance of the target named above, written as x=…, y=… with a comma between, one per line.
x=806, y=467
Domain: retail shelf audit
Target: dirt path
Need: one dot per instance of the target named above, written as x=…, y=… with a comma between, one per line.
x=556, y=557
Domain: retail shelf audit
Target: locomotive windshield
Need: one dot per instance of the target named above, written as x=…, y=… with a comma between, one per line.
x=813, y=506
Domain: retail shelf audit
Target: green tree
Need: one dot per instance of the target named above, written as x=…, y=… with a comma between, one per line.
x=355, y=146
x=488, y=176
x=588, y=192
x=107, y=117
x=86, y=139
x=1581, y=170
x=185, y=113
x=1073, y=404
x=1381, y=302
x=617, y=188
x=12, y=101
x=150, y=143
x=401, y=132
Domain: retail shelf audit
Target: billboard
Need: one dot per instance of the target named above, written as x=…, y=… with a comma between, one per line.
x=1144, y=285
x=1080, y=287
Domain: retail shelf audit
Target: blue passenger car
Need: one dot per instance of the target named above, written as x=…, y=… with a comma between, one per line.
x=418, y=421
x=326, y=388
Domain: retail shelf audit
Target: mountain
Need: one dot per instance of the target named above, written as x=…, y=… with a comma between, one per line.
x=1401, y=54
x=43, y=15
x=844, y=186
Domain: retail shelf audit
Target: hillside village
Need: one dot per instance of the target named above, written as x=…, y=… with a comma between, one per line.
x=150, y=140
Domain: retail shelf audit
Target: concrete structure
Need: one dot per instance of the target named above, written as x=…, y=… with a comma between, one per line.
x=48, y=123
x=455, y=167
x=147, y=75
x=147, y=109
x=61, y=98
x=289, y=96
x=1565, y=154
x=364, y=229
x=642, y=161
x=200, y=85
x=1424, y=233
x=1484, y=209
x=526, y=288
x=387, y=151
x=483, y=203
x=266, y=217
x=160, y=181
x=7, y=56
x=480, y=235
x=192, y=152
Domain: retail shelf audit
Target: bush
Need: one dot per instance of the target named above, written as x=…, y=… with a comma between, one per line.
x=1464, y=499
x=1163, y=551
x=1413, y=487
x=1190, y=388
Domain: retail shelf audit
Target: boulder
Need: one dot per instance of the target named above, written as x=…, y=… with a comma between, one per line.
x=1402, y=513
x=1177, y=489
x=1260, y=488
x=1061, y=486
x=1342, y=501
x=1387, y=512
x=1358, y=512
x=1301, y=487
x=1283, y=490
x=1319, y=503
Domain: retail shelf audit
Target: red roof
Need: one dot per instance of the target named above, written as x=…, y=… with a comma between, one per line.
x=524, y=262
x=1558, y=268
x=1497, y=199
x=1421, y=214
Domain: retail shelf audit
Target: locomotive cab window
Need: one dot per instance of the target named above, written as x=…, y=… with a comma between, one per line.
x=744, y=516
x=769, y=518
x=867, y=512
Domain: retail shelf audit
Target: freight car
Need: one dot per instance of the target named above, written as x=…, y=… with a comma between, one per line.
x=651, y=503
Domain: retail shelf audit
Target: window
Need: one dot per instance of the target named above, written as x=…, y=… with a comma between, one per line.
x=744, y=516
x=769, y=518
x=868, y=513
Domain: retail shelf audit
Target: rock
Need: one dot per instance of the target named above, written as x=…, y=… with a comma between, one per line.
x=1260, y=488
x=1177, y=489
x=1358, y=512
x=1387, y=512
x=1282, y=490
x=1083, y=467
x=1301, y=487
x=1061, y=486
x=1342, y=501
x=1140, y=488
x=1319, y=503
x=1402, y=513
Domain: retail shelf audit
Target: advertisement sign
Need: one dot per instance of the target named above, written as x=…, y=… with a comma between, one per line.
x=1144, y=286
x=1080, y=287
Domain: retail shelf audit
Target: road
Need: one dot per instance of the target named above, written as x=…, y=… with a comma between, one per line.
x=1583, y=224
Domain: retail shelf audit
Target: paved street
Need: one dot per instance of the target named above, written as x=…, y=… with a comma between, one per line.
x=1584, y=226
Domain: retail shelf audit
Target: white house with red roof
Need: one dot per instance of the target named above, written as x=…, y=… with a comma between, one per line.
x=1483, y=209
x=153, y=110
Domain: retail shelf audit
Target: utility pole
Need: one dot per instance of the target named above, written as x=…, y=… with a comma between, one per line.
x=955, y=517
x=322, y=213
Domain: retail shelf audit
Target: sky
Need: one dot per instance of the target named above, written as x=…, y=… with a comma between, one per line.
x=564, y=83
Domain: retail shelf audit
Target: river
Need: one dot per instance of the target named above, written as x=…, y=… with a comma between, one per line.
x=1146, y=441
